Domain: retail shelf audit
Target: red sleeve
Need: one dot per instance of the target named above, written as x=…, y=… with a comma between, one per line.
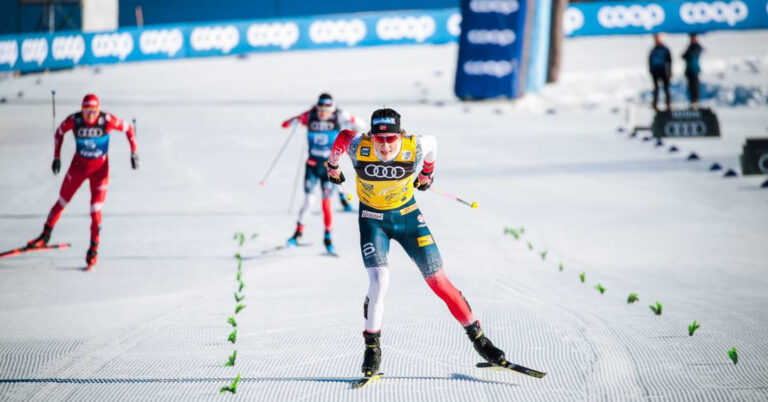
x=116, y=123
x=302, y=118
x=341, y=146
x=58, y=137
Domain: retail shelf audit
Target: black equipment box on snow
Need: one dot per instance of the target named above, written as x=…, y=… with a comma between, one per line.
x=685, y=123
x=754, y=157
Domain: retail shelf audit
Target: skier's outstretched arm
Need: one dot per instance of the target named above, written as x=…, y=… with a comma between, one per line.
x=116, y=123
x=350, y=122
x=340, y=147
x=428, y=145
x=302, y=118
x=58, y=139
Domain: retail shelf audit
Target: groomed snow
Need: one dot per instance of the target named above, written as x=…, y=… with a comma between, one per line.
x=150, y=321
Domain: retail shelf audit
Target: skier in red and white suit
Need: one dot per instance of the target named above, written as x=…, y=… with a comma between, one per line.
x=91, y=128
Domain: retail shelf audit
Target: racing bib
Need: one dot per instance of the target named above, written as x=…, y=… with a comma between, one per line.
x=385, y=185
x=91, y=141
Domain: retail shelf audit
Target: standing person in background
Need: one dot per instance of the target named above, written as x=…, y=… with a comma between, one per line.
x=91, y=127
x=323, y=122
x=660, y=66
x=692, y=69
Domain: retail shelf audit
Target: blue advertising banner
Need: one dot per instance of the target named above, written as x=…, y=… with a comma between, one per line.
x=491, y=49
x=642, y=17
x=36, y=52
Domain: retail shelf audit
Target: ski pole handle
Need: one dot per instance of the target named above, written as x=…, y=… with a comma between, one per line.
x=472, y=204
x=347, y=195
x=277, y=157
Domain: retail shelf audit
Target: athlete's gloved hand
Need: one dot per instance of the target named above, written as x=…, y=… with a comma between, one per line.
x=335, y=175
x=56, y=166
x=134, y=160
x=423, y=181
x=288, y=123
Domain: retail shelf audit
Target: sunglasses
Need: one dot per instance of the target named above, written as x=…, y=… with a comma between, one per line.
x=90, y=111
x=388, y=138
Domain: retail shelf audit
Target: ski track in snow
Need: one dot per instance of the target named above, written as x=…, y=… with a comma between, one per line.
x=149, y=323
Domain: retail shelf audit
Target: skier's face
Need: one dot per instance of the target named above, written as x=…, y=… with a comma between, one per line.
x=324, y=113
x=386, y=145
x=90, y=114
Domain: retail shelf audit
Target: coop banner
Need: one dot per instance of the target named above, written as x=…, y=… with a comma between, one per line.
x=491, y=59
x=642, y=17
x=36, y=52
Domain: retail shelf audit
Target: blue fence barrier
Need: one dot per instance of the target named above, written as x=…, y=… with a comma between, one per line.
x=35, y=52
x=642, y=17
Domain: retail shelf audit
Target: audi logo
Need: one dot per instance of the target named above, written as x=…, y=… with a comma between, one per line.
x=9, y=52
x=385, y=172
x=90, y=132
x=68, y=48
x=34, y=50
x=634, y=15
x=573, y=20
x=685, y=129
x=702, y=13
x=322, y=125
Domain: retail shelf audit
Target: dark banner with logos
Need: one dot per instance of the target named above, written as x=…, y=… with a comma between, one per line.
x=492, y=60
x=686, y=123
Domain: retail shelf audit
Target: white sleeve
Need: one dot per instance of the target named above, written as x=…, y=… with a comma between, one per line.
x=428, y=145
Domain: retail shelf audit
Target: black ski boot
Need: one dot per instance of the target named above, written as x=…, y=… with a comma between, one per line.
x=328, y=243
x=294, y=240
x=92, y=256
x=42, y=240
x=483, y=345
x=372, y=357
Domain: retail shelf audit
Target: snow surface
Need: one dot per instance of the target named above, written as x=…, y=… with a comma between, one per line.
x=150, y=321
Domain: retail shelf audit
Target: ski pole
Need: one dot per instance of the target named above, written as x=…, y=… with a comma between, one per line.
x=277, y=157
x=53, y=107
x=134, y=126
x=472, y=204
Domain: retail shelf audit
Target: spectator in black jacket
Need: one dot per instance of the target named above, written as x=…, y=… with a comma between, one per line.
x=660, y=66
x=692, y=69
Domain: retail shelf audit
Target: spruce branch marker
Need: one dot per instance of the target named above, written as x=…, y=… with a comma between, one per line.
x=692, y=327
x=231, y=387
x=582, y=277
x=231, y=360
x=239, y=307
x=733, y=355
x=656, y=309
x=232, y=336
x=632, y=298
x=600, y=288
